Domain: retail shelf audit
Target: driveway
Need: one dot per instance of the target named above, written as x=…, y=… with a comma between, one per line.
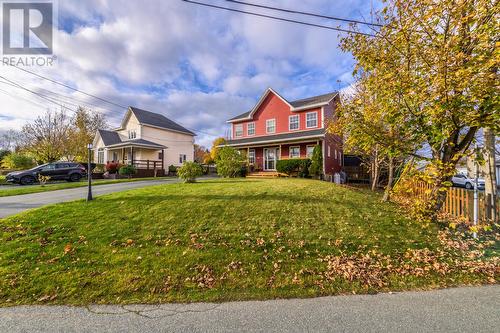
x=15, y=204
x=473, y=309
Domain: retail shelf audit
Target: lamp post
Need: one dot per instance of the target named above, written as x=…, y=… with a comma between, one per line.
x=89, y=173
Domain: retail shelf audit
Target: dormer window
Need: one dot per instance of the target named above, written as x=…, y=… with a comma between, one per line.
x=238, y=130
x=132, y=134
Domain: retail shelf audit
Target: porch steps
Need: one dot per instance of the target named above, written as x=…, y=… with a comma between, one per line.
x=266, y=174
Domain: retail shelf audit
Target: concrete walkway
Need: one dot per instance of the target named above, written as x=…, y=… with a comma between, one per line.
x=17, y=203
x=475, y=309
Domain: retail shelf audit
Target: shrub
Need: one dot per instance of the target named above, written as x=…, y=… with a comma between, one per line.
x=172, y=169
x=112, y=167
x=316, y=167
x=17, y=161
x=127, y=170
x=43, y=179
x=189, y=171
x=294, y=166
x=230, y=162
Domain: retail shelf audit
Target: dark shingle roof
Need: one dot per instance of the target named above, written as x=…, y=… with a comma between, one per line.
x=140, y=142
x=158, y=120
x=300, y=103
x=241, y=116
x=109, y=137
x=313, y=100
x=284, y=136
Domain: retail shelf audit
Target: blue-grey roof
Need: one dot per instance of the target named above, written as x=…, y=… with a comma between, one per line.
x=158, y=120
x=109, y=137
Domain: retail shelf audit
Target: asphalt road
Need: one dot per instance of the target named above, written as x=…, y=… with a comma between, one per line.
x=17, y=203
x=474, y=309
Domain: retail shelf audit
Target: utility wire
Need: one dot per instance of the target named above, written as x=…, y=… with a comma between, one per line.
x=306, y=13
x=60, y=101
x=278, y=18
x=69, y=87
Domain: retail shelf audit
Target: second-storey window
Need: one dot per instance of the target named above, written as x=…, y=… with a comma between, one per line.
x=293, y=122
x=250, y=128
x=132, y=134
x=294, y=152
x=238, y=130
x=311, y=119
x=270, y=125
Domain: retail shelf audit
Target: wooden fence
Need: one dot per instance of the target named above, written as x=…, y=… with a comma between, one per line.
x=459, y=202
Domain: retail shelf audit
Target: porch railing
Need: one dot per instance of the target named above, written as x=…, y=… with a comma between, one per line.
x=144, y=164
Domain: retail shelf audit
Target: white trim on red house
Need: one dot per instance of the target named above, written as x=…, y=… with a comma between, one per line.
x=293, y=109
x=289, y=122
x=301, y=139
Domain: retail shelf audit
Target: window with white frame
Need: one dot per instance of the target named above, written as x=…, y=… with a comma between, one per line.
x=182, y=158
x=270, y=125
x=238, y=130
x=100, y=156
x=251, y=156
x=293, y=122
x=132, y=134
x=309, y=151
x=311, y=119
x=294, y=152
x=251, y=129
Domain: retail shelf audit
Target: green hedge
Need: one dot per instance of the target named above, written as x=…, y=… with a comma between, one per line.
x=294, y=166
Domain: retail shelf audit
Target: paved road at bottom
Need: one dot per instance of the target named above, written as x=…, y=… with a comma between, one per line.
x=469, y=309
x=17, y=203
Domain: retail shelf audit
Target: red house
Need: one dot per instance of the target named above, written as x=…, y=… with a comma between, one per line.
x=279, y=129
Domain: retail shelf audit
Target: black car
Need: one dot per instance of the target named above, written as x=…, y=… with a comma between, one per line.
x=69, y=171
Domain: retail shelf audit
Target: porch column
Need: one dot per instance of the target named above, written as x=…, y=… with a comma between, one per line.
x=123, y=155
x=279, y=155
x=163, y=159
x=132, y=155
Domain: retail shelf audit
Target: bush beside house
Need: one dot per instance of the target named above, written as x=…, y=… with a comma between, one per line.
x=189, y=171
x=127, y=170
x=230, y=163
x=294, y=167
x=316, y=167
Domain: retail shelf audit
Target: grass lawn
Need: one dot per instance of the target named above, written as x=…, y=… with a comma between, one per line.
x=225, y=240
x=17, y=190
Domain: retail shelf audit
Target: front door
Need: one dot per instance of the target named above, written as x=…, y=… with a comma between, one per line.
x=270, y=155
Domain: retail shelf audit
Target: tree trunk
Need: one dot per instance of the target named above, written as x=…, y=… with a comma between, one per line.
x=490, y=189
x=375, y=169
x=390, y=181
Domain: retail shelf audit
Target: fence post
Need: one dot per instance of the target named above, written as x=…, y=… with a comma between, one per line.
x=147, y=165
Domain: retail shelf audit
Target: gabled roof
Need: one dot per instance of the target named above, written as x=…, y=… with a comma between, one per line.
x=317, y=133
x=109, y=137
x=154, y=119
x=138, y=142
x=311, y=101
x=301, y=104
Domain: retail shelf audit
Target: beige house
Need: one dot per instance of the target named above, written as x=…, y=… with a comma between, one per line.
x=148, y=140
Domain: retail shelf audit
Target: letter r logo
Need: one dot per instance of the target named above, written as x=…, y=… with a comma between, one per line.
x=27, y=27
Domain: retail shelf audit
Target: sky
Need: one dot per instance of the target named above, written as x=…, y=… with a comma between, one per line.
x=198, y=66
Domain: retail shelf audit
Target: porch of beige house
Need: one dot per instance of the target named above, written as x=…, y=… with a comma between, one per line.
x=147, y=158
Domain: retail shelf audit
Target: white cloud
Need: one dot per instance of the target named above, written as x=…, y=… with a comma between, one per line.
x=198, y=66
